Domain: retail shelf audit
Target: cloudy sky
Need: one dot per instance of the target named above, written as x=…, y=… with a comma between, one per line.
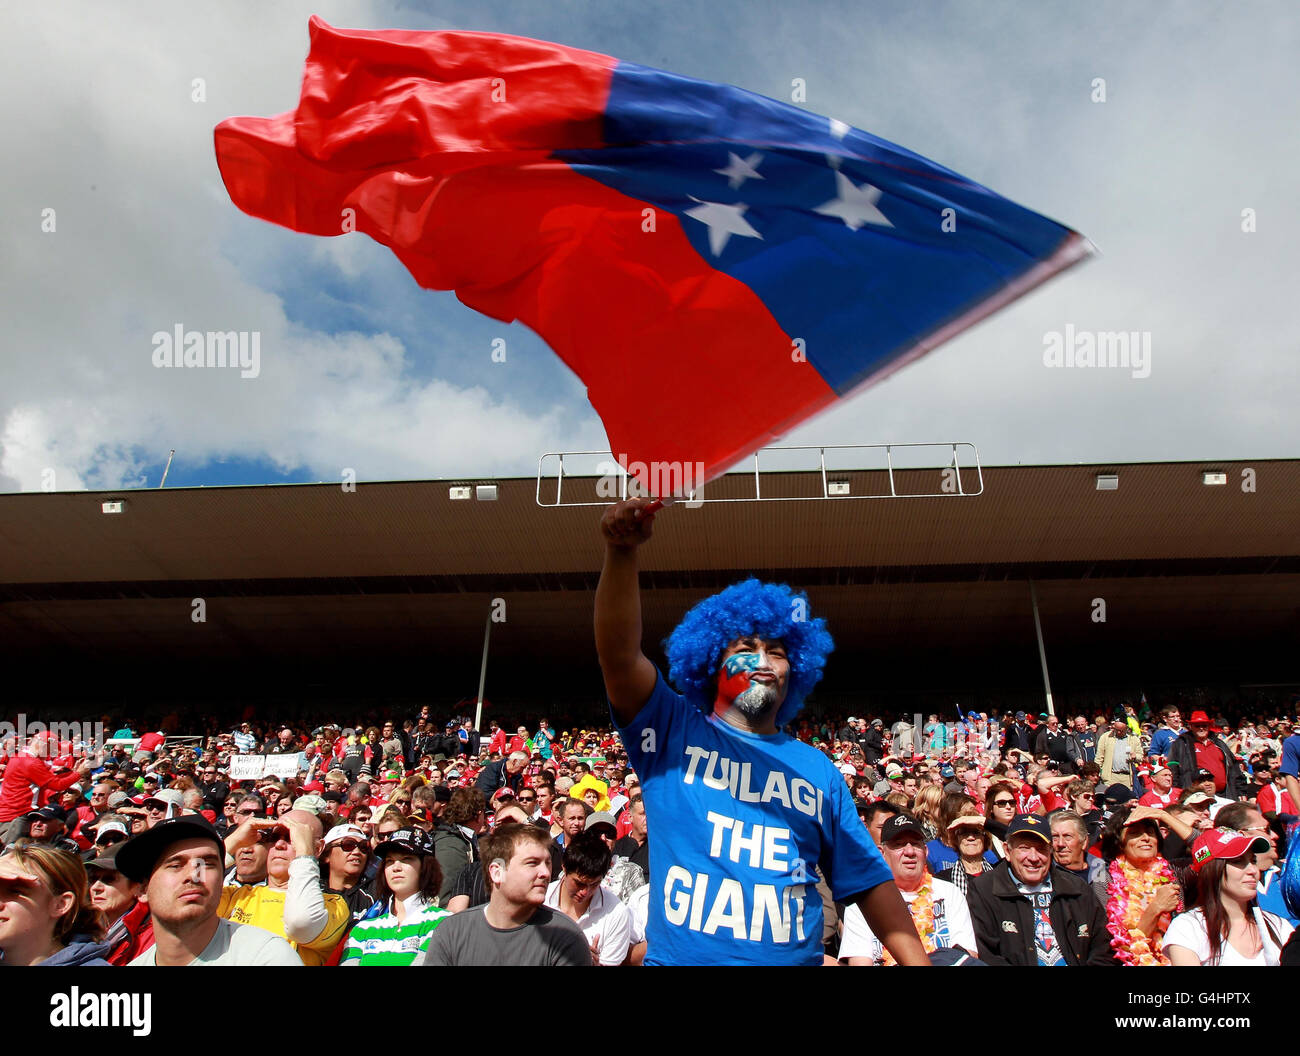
x=362, y=369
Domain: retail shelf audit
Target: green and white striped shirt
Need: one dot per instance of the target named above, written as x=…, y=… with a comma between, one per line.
x=383, y=940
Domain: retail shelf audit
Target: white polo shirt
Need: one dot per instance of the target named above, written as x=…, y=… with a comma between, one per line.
x=607, y=924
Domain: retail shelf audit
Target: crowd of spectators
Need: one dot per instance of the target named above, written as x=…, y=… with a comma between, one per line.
x=1136, y=837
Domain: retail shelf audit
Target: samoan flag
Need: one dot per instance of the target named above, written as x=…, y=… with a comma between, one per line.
x=715, y=266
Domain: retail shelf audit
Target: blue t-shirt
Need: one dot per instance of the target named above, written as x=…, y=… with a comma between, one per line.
x=1160, y=741
x=1291, y=756
x=740, y=822
x=938, y=856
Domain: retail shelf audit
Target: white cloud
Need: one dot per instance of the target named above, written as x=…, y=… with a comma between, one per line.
x=1199, y=122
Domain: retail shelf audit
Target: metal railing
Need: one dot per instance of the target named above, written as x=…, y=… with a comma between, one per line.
x=950, y=481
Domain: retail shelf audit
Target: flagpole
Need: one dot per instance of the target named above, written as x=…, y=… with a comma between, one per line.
x=482, y=671
x=1042, y=653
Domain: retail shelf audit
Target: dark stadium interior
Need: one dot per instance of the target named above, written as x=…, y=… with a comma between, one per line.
x=320, y=601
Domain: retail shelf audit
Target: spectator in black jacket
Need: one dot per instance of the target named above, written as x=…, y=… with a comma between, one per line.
x=1018, y=735
x=1054, y=742
x=504, y=773
x=1199, y=747
x=873, y=742
x=1030, y=912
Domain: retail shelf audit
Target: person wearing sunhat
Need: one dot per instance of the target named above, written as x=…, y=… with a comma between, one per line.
x=1200, y=747
x=397, y=929
x=1227, y=927
x=179, y=864
x=1028, y=911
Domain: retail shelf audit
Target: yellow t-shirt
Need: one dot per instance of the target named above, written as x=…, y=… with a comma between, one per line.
x=263, y=907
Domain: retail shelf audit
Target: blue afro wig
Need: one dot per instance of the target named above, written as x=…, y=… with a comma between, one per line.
x=768, y=610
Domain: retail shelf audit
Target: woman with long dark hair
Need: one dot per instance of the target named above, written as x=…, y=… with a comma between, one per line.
x=405, y=914
x=999, y=809
x=1226, y=927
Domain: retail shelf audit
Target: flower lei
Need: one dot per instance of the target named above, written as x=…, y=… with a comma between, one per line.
x=1131, y=890
x=922, y=909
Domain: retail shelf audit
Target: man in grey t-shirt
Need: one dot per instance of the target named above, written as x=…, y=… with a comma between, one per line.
x=181, y=863
x=514, y=928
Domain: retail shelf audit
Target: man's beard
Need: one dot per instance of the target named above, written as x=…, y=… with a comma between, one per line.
x=757, y=700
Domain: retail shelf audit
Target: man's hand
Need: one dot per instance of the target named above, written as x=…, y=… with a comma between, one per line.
x=300, y=835
x=625, y=526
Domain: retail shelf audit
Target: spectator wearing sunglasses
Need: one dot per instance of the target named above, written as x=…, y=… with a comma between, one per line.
x=343, y=864
x=999, y=810
x=117, y=896
x=163, y=806
x=292, y=903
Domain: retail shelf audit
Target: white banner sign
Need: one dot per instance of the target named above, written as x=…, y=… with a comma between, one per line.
x=247, y=767
x=282, y=766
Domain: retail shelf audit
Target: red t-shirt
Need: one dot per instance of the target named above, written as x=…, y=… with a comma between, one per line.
x=1051, y=801
x=1209, y=757
x=150, y=742
x=1155, y=799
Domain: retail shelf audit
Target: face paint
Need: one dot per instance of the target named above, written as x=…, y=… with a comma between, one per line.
x=735, y=687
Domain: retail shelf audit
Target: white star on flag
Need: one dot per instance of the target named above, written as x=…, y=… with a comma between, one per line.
x=854, y=205
x=739, y=170
x=723, y=221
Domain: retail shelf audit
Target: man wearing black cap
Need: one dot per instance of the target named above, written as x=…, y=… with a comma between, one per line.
x=1028, y=911
x=48, y=826
x=180, y=865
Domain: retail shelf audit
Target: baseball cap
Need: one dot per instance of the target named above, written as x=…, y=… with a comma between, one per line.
x=312, y=803
x=1196, y=798
x=169, y=797
x=947, y=771
x=106, y=860
x=1020, y=715
x=105, y=827
x=413, y=841
x=138, y=855
x=893, y=771
x=343, y=832
x=1030, y=825
x=897, y=825
x=1226, y=844
x=600, y=817
x=48, y=814
x=1204, y=775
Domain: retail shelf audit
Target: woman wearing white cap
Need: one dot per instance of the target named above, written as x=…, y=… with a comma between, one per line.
x=1226, y=927
x=343, y=865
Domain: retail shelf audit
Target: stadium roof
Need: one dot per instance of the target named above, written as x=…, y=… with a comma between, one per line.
x=399, y=576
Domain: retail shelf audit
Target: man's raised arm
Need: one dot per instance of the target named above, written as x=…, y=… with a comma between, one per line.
x=629, y=676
